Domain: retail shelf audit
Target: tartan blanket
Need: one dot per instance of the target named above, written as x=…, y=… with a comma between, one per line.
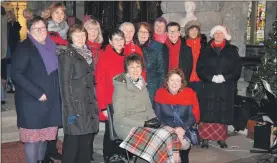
x=153, y=145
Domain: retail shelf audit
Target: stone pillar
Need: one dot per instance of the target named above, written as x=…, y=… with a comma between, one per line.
x=271, y=14
x=80, y=9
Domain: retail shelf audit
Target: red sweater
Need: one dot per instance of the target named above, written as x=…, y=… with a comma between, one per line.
x=109, y=65
x=174, y=53
x=195, y=46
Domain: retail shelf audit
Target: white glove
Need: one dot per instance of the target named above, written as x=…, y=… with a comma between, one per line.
x=220, y=78
x=215, y=79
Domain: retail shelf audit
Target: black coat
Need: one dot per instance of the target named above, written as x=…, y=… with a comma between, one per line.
x=13, y=35
x=77, y=92
x=31, y=82
x=154, y=66
x=185, y=59
x=217, y=99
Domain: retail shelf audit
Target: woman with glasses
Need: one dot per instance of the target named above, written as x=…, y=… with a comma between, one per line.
x=153, y=58
x=34, y=71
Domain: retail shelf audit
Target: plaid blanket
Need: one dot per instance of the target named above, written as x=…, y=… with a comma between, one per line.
x=153, y=145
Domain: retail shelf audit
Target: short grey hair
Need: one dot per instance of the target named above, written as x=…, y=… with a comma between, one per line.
x=126, y=24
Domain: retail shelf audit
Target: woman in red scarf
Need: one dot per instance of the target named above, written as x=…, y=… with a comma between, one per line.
x=160, y=30
x=219, y=69
x=95, y=38
x=173, y=98
x=94, y=43
x=193, y=41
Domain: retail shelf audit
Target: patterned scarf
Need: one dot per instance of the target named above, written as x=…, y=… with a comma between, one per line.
x=138, y=83
x=61, y=28
x=85, y=52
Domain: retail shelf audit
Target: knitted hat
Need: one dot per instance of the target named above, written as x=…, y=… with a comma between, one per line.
x=223, y=29
x=161, y=19
x=192, y=23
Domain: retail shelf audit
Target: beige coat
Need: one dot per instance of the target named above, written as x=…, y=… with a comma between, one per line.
x=4, y=39
x=132, y=106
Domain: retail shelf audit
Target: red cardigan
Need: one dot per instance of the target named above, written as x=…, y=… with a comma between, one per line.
x=109, y=65
x=186, y=97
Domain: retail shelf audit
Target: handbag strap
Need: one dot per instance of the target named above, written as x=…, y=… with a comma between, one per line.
x=178, y=117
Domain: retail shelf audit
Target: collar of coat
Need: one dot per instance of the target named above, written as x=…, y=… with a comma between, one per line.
x=122, y=79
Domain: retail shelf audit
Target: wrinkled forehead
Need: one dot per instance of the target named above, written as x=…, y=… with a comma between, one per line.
x=128, y=27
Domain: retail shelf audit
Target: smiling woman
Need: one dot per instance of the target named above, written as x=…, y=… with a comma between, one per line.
x=80, y=111
x=34, y=71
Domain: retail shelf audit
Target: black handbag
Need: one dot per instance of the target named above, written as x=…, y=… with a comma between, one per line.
x=152, y=123
x=262, y=136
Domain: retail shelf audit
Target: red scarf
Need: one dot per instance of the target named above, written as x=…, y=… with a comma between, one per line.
x=220, y=45
x=160, y=38
x=174, y=52
x=95, y=50
x=195, y=46
x=186, y=97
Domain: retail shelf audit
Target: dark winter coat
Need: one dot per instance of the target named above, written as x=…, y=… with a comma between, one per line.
x=154, y=66
x=77, y=93
x=13, y=35
x=217, y=99
x=31, y=82
x=185, y=59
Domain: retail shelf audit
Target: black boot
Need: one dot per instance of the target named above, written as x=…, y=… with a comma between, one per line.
x=184, y=154
x=222, y=144
x=205, y=143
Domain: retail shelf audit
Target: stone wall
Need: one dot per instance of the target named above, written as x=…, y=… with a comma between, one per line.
x=231, y=14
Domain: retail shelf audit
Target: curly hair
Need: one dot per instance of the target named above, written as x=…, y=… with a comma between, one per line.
x=179, y=72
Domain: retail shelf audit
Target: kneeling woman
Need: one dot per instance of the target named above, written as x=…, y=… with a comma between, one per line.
x=133, y=113
x=177, y=106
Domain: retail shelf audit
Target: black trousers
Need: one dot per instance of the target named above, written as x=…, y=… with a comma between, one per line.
x=184, y=154
x=51, y=148
x=76, y=148
x=110, y=147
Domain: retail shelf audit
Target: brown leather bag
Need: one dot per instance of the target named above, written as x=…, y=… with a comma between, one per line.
x=250, y=127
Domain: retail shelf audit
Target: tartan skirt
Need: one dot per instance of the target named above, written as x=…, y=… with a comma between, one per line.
x=213, y=131
x=153, y=145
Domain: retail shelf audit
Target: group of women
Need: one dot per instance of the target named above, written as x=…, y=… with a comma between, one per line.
x=64, y=77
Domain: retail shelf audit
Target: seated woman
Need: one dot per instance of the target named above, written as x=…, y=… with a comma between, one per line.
x=133, y=113
x=177, y=106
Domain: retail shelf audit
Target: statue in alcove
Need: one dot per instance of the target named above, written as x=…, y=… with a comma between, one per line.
x=189, y=8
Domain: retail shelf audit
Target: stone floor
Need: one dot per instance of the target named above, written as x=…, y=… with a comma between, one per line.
x=237, y=151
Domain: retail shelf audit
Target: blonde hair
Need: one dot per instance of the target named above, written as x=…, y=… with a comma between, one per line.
x=46, y=14
x=96, y=23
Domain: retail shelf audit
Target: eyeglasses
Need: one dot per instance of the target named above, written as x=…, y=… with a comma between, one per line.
x=43, y=29
x=143, y=32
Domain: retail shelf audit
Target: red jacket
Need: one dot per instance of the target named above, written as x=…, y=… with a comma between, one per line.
x=109, y=65
x=56, y=37
x=95, y=49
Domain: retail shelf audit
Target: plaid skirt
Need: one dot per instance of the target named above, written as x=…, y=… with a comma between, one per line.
x=213, y=131
x=153, y=145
